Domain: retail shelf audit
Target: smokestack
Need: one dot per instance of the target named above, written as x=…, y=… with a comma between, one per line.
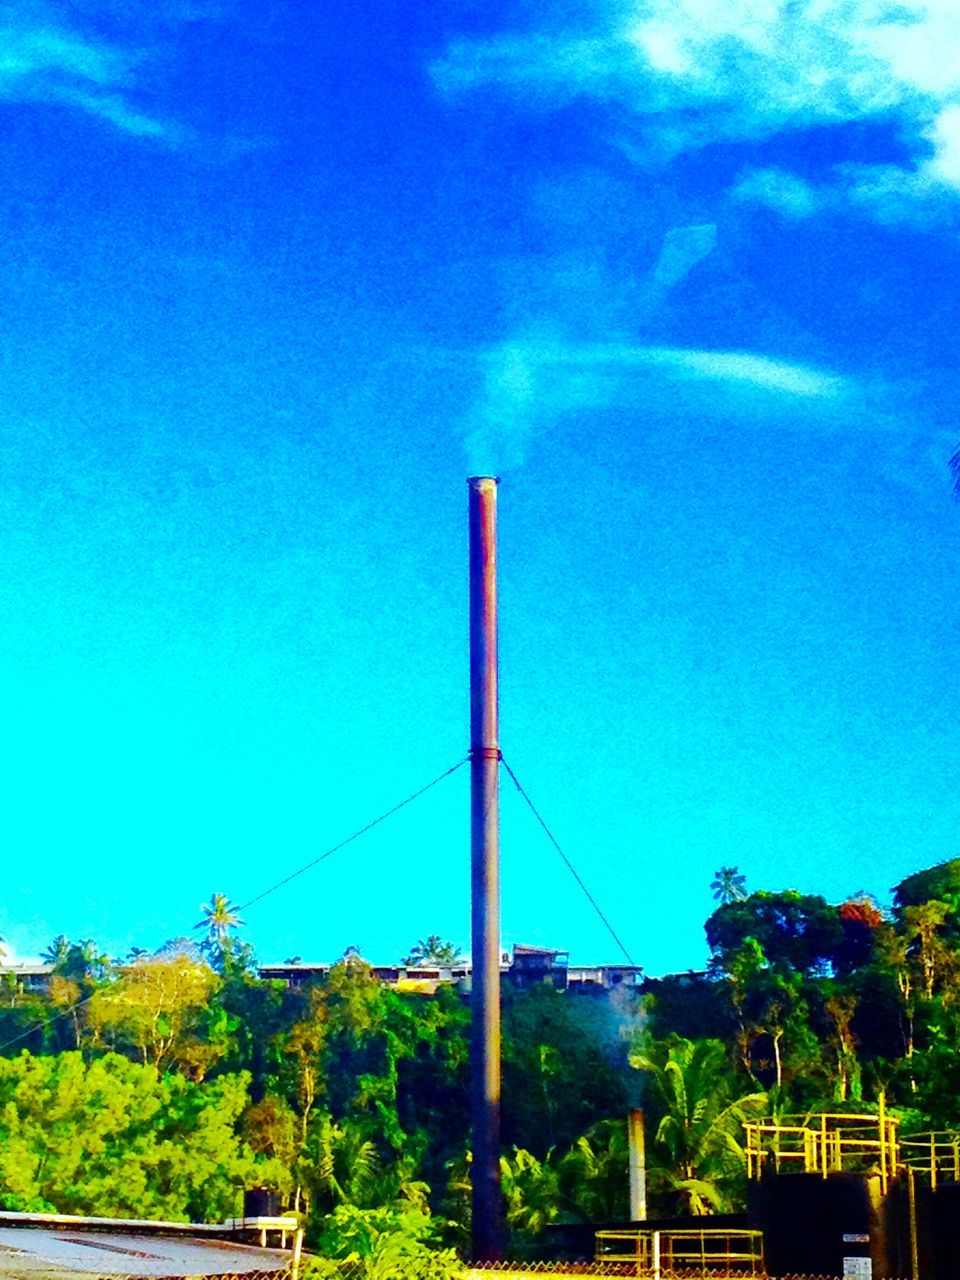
x=638, y=1166
x=485, y=873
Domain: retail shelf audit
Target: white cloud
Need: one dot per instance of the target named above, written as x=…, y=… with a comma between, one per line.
x=694, y=71
x=945, y=135
x=118, y=111
x=891, y=194
x=784, y=192
x=53, y=63
x=683, y=248
x=45, y=51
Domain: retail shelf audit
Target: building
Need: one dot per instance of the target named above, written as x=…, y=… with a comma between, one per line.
x=33, y=977
x=525, y=967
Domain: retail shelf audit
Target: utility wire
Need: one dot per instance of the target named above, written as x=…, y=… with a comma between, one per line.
x=356, y=835
x=569, y=865
x=39, y=1026
x=388, y=813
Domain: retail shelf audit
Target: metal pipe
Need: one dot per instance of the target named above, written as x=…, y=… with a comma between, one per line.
x=912, y=1210
x=487, y=1219
x=638, y=1165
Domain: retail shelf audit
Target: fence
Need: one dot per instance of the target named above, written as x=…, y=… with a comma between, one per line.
x=20, y=1268
x=607, y=1270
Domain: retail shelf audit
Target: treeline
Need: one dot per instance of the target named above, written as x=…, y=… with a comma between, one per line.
x=162, y=1085
x=165, y=1084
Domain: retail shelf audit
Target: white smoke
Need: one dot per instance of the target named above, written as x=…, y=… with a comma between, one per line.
x=536, y=377
x=529, y=386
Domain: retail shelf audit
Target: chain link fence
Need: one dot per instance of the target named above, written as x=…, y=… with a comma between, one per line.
x=36, y=1269
x=328, y=1269
x=315, y=1268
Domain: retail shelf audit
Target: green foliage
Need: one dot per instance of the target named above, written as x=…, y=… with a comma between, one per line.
x=433, y=951
x=350, y=1097
x=594, y=1175
x=796, y=931
x=941, y=882
x=531, y=1192
x=690, y=1005
x=564, y=1064
x=116, y=1138
x=699, y=1163
x=382, y=1244
x=162, y=1010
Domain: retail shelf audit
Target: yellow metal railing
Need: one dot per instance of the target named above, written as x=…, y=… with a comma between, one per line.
x=935, y=1155
x=825, y=1143
x=687, y=1251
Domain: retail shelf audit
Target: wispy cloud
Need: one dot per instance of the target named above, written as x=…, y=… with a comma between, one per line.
x=695, y=71
x=747, y=368
x=531, y=384
x=517, y=363
x=925, y=194
x=55, y=63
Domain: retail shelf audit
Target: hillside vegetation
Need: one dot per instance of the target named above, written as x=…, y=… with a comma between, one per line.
x=161, y=1085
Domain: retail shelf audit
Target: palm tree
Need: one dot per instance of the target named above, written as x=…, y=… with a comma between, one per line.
x=698, y=1156
x=593, y=1173
x=57, y=952
x=219, y=917
x=432, y=951
x=531, y=1190
x=729, y=886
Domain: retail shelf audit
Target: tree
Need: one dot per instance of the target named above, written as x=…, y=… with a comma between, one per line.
x=594, y=1176
x=219, y=917
x=58, y=951
x=381, y=1244
x=162, y=1009
x=697, y=1158
x=797, y=931
x=64, y=994
x=531, y=1191
x=116, y=1138
x=432, y=951
x=922, y=929
x=941, y=882
x=224, y=952
x=860, y=918
x=840, y=1008
x=729, y=886
x=564, y=1066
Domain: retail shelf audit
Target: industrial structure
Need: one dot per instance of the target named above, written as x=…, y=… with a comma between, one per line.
x=487, y=1215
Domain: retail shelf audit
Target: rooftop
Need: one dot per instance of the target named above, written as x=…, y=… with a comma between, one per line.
x=60, y=1247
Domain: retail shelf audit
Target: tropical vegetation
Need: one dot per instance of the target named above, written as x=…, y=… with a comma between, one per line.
x=163, y=1083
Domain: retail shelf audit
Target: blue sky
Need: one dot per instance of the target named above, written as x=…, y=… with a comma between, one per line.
x=274, y=279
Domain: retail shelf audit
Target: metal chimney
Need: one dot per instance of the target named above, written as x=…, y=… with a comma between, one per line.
x=485, y=873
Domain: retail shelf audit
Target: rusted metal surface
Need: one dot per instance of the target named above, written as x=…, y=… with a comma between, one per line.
x=487, y=1231
x=38, y=1252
